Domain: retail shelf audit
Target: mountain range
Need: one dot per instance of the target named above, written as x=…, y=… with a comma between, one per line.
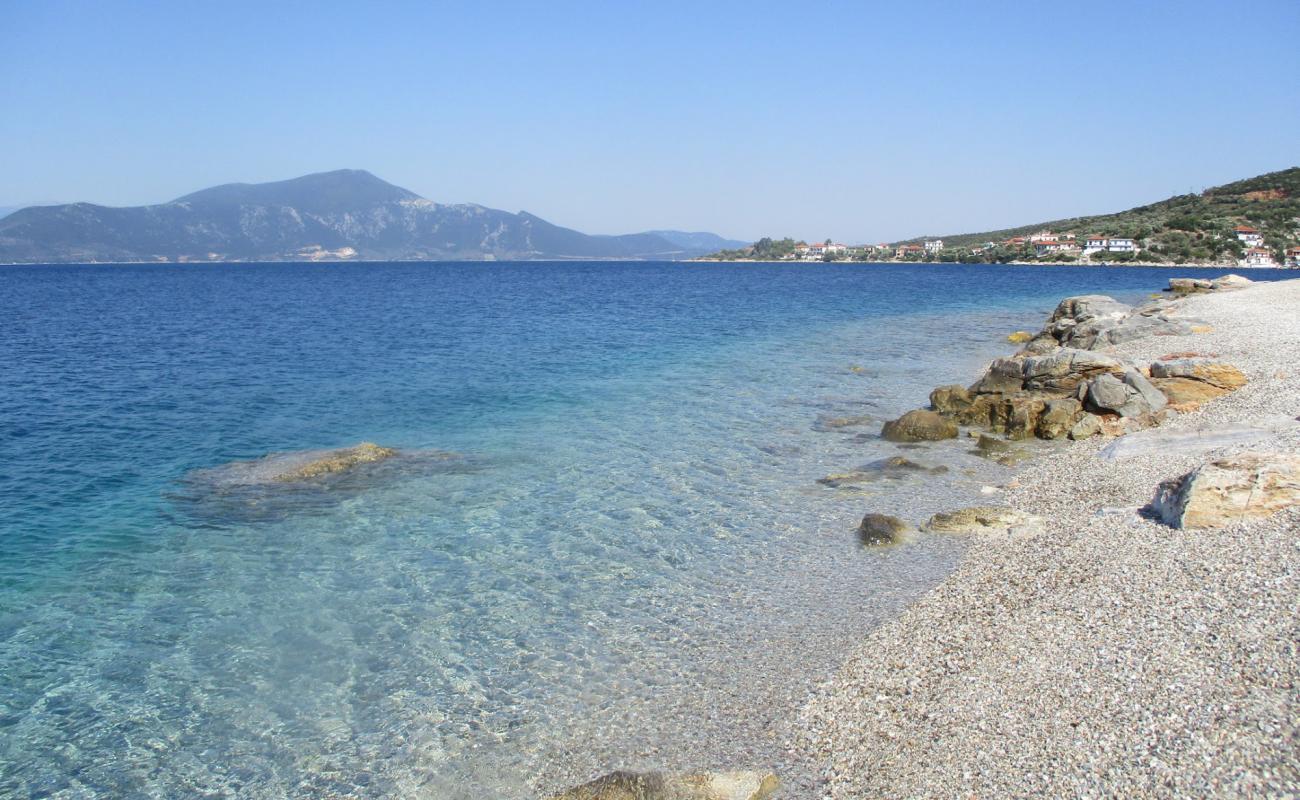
x=348, y=215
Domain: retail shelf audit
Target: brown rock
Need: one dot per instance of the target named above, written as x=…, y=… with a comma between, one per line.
x=1216, y=373
x=1058, y=418
x=920, y=425
x=326, y=462
x=1221, y=492
x=1019, y=337
x=950, y=399
x=882, y=529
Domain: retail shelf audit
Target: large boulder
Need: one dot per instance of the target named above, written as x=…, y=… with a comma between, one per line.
x=879, y=529
x=1088, y=426
x=1240, y=487
x=1207, y=370
x=985, y=520
x=624, y=785
x=920, y=425
x=1131, y=396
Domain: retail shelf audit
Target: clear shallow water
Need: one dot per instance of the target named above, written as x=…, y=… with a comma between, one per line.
x=631, y=564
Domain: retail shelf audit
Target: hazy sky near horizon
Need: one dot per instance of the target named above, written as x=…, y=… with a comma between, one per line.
x=857, y=121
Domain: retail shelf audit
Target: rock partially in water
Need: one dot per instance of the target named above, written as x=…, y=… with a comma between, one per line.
x=985, y=521
x=1019, y=337
x=622, y=785
x=920, y=425
x=1249, y=485
x=894, y=467
x=878, y=529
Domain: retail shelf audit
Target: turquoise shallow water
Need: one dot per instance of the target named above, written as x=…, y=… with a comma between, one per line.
x=628, y=556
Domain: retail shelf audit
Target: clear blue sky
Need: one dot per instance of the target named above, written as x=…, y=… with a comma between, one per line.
x=859, y=121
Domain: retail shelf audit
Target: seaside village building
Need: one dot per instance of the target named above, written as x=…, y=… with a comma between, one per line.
x=814, y=252
x=934, y=246
x=1249, y=236
x=1258, y=257
x=1293, y=257
x=908, y=249
x=1110, y=244
x=1044, y=247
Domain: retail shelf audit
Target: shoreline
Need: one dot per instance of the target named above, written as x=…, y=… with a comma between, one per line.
x=1110, y=654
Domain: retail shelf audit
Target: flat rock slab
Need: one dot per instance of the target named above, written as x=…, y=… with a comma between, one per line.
x=1155, y=441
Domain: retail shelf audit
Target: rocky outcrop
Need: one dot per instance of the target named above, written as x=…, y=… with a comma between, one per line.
x=1094, y=322
x=919, y=426
x=656, y=786
x=1230, y=489
x=326, y=462
x=877, y=529
x=985, y=521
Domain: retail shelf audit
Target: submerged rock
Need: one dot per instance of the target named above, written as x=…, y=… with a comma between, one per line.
x=920, y=425
x=657, y=786
x=1221, y=492
x=889, y=468
x=879, y=529
x=994, y=520
x=835, y=423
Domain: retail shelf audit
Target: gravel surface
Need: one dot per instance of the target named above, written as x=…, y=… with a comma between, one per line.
x=1110, y=656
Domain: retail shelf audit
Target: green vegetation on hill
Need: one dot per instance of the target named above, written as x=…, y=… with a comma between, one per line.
x=1186, y=229
x=764, y=249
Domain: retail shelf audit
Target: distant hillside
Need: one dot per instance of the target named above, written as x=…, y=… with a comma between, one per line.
x=340, y=215
x=1185, y=228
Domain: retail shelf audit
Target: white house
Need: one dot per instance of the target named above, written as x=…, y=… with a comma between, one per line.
x=1043, y=236
x=1249, y=236
x=934, y=245
x=1111, y=244
x=1258, y=257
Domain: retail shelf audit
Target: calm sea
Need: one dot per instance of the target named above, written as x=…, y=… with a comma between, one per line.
x=627, y=561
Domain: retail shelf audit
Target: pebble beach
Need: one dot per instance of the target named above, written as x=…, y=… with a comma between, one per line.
x=1109, y=654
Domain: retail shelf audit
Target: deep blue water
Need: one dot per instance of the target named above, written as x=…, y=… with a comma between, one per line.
x=630, y=528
